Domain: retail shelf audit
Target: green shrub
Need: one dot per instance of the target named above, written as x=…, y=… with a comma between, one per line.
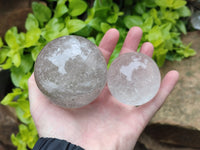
x=160, y=20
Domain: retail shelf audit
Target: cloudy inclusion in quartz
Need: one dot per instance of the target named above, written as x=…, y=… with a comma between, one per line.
x=71, y=71
x=133, y=78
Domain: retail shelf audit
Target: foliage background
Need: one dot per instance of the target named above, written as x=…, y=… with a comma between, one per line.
x=162, y=22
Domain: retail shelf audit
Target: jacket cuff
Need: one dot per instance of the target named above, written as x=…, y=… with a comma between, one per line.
x=54, y=144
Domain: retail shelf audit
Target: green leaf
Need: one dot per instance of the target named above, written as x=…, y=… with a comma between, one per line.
x=92, y=40
x=175, y=4
x=7, y=64
x=1, y=42
x=3, y=54
x=147, y=25
x=21, y=39
x=55, y=25
x=105, y=27
x=102, y=8
x=27, y=114
x=102, y=4
x=164, y=3
x=186, y=51
x=16, y=75
x=112, y=18
x=85, y=32
x=17, y=141
x=128, y=2
x=123, y=33
x=63, y=32
x=150, y=3
x=35, y=51
x=59, y=2
x=96, y=23
x=131, y=21
x=160, y=55
x=154, y=14
x=11, y=53
x=32, y=37
x=16, y=59
x=33, y=138
x=114, y=14
x=99, y=37
x=31, y=22
x=10, y=96
x=77, y=7
x=184, y=11
x=169, y=44
x=75, y=25
x=14, y=139
x=115, y=7
x=53, y=28
x=27, y=136
x=165, y=29
x=26, y=63
x=24, y=81
x=90, y=15
x=23, y=107
x=115, y=53
x=155, y=36
x=11, y=38
x=179, y=3
x=41, y=12
x=177, y=54
x=61, y=8
x=140, y=8
x=23, y=129
x=171, y=16
x=181, y=26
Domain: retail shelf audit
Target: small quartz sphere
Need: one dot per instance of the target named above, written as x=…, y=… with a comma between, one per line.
x=71, y=71
x=195, y=20
x=133, y=78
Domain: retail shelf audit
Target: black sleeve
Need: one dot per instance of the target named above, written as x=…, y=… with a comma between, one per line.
x=54, y=144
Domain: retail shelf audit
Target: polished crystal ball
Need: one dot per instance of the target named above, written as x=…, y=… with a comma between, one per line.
x=71, y=71
x=195, y=20
x=133, y=78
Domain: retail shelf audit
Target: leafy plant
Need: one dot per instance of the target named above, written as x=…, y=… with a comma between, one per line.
x=160, y=21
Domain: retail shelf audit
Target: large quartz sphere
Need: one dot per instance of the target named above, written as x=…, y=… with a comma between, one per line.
x=71, y=71
x=133, y=78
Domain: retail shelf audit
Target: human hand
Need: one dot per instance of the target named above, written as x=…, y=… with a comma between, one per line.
x=105, y=123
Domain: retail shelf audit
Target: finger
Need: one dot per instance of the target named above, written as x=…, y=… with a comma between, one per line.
x=108, y=43
x=147, y=49
x=132, y=40
x=149, y=109
x=36, y=97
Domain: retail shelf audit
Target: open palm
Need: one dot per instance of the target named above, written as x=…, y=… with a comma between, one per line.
x=105, y=123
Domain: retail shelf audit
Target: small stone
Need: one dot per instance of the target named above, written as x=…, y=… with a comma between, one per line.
x=71, y=71
x=133, y=78
x=195, y=20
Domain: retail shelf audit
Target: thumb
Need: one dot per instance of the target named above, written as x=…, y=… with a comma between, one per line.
x=149, y=109
x=36, y=97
